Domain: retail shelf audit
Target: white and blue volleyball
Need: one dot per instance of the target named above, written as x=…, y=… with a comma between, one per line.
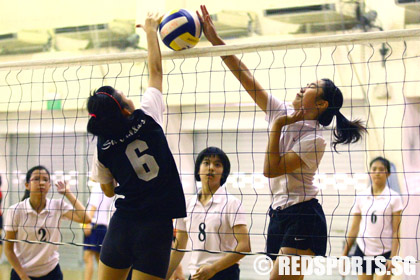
x=180, y=29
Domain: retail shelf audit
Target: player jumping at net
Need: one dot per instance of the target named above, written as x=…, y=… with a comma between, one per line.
x=132, y=150
x=376, y=220
x=215, y=221
x=294, y=151
x=38, y=218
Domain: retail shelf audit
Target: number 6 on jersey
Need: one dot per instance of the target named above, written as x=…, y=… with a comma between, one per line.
x=145, y=165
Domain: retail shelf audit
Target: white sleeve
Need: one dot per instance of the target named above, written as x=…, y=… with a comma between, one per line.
x=236, y=213
x=152, y=104
x=96, y=196
x=275, y=108
x=396, y=202
x=100, y=173
x=356, y=208
x=12, y=219
x=180, y=224
x=310, y=149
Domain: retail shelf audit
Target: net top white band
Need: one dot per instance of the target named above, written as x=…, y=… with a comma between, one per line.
x=295, y=43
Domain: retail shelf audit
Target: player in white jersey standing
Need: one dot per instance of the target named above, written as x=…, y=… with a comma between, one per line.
x=376, y=220
x=38, y=218
x=215, y=222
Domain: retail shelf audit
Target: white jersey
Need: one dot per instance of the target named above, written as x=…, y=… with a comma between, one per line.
x=375, y=233
x=210, y=227
x=102, y=203
x=37, y=259
x=305, y=139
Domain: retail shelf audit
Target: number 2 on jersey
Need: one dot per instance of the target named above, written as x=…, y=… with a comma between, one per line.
x=144, y=165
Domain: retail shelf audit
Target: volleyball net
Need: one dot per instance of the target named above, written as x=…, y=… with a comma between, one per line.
x=43, y=120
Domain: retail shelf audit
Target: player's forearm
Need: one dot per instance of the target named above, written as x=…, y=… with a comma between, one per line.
x=350, y=238
x=80, y=210
x=247, y=80
x=272, y=155
x=395, y=244
x=176, y=258
x=154, y=59
x=231, y=258
x=13, y=260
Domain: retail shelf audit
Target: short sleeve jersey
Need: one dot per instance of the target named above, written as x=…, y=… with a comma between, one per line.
x=37, y=259
x=210, y=227
x=142, y=164
x=375, y=232
x=102, y=203
x=305, y=139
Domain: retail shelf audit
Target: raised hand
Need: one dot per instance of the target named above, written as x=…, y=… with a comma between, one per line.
x=152, y=22
x=62, y=187
x=208, y=27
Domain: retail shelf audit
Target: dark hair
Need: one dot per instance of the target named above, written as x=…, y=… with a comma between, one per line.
x=30, y=171
x=26, y=194
x=213, y=151
x=346, y=131
x=384, y=162
x=28, y=178
x=107, y=119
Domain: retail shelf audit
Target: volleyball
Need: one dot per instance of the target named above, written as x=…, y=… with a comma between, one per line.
x=180, y=29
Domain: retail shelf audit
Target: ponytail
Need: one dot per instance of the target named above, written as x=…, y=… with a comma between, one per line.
x=105, y=108
x=346, y=131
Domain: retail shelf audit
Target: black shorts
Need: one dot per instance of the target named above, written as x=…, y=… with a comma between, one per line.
x=359, y=253
x=55, y=274
x=230, y=273
x=301, y=226
x=95, y=238
x=144, y=245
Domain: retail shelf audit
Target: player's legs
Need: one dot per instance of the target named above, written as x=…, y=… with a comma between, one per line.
x=88, y=259
x=108, y=273
x=288, y=251
x=383, y=277
x=138, y=275
x=365, y=277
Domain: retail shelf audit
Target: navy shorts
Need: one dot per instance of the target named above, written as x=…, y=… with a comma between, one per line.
x=359, y=253
x=301, y=226
x=55, y=274
x=95, y=238
x=143, y=244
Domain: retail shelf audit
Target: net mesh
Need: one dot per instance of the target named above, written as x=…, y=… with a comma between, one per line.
x=43, y=121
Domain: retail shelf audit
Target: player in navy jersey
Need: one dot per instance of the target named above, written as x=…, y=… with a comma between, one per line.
x=132, y=150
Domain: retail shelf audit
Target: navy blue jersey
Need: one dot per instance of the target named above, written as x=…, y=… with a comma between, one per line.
x=143, y=165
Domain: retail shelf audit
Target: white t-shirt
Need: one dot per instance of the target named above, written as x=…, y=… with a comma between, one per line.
x=152, y=105
x=375, y=233
x=102, y=203
x=37, y=259
x=306, y=140
x=210, y=227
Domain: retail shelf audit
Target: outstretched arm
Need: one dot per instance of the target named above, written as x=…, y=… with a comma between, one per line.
x=241, y=72
x=154, y=60
x=79, y=214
